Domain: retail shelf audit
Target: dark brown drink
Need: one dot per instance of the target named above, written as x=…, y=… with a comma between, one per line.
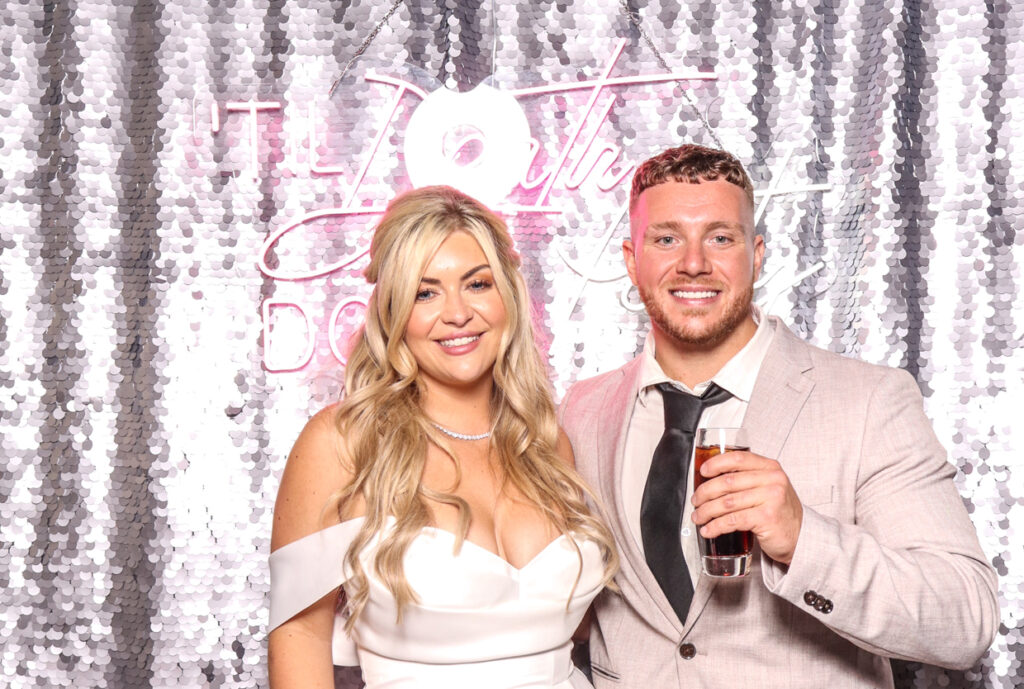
x=726, y=545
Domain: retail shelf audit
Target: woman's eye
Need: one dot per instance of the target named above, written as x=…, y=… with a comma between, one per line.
x=424, y=294
x=480, y=285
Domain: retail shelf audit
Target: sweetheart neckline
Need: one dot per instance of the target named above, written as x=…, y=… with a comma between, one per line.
x=495, y=556
x=476, y=546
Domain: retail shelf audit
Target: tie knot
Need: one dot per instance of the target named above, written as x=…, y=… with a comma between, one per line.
x=683, y=410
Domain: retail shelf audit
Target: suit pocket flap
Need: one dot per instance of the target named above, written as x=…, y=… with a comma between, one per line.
x=603, y=672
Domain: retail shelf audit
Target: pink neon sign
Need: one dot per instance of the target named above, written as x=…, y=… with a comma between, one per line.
x=489, y=124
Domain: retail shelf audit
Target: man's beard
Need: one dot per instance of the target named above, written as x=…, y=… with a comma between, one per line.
x=709, y=334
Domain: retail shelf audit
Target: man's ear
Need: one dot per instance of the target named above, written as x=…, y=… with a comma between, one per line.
x=629, y=256
x=758, y=255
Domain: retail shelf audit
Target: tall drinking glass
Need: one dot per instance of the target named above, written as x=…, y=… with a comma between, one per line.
x=727, y=555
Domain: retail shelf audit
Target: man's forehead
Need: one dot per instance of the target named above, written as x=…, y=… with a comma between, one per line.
x=707, y=203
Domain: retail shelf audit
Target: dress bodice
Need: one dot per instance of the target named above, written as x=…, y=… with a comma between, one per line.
x=478, y=620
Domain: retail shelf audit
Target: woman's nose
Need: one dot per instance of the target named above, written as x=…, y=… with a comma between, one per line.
x=456, y=311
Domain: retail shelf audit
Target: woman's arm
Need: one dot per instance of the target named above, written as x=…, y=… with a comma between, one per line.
x=300, y=649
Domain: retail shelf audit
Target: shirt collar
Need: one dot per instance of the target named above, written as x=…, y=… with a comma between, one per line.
x=737, y=376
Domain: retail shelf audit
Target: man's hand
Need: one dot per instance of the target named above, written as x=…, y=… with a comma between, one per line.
x=747, y=492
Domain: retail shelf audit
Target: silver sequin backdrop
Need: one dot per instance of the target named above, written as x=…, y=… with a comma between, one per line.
x=185, y=204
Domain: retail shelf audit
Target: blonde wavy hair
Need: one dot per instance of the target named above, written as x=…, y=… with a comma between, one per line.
x=384, y=432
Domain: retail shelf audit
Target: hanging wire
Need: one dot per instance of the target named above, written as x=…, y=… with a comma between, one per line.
x=634, y=17
x=366, y=43
x=494, y=39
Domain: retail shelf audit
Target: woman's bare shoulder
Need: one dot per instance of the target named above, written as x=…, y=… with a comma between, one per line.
x=316, y=471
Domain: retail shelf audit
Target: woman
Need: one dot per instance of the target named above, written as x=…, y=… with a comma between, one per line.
x=440, y=491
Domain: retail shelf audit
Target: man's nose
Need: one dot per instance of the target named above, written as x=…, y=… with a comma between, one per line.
x=693, y=259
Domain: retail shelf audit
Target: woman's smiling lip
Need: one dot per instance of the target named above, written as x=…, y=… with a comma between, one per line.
x=460, y=343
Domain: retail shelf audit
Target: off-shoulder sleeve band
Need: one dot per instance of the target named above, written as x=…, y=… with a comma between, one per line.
x=304, y=571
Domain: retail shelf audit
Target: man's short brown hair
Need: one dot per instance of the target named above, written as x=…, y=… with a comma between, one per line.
x=691, y=164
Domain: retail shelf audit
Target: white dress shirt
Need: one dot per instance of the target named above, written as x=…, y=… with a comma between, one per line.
x=647, y=424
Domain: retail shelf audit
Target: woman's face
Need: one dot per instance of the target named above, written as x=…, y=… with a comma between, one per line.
x=458, y=317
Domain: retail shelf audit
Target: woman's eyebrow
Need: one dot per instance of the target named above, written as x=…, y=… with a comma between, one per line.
x=469, y=273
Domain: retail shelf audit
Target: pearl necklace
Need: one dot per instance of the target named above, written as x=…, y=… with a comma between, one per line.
x=460, y=436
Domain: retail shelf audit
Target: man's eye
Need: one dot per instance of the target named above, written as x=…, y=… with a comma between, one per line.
x=665, y=241
x=721, y=239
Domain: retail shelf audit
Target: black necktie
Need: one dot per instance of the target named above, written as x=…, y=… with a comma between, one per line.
x=661, y=511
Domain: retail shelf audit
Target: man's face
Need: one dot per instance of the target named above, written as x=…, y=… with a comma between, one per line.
x=694, y=258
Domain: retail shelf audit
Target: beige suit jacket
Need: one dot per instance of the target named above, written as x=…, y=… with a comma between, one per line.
x=885, y=539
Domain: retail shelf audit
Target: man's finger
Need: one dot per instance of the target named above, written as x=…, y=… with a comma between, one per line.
x=737, y=460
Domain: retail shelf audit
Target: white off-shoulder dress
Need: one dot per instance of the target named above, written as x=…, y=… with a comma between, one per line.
x=479, y=622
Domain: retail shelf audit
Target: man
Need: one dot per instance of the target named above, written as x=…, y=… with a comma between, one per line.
x=864, y=550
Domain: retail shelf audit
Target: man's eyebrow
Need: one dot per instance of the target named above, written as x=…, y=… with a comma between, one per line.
x=676, y=226
x=670, y=225
x=725, y=225
x=468, y=274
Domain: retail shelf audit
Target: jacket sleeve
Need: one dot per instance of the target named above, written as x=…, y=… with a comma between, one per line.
x=908, y=578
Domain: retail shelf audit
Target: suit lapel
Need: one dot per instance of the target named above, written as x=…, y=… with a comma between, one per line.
x=635, y=578
x=780, y=391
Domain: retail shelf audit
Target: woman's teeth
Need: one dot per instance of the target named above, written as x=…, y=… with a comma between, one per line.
x=459, y=341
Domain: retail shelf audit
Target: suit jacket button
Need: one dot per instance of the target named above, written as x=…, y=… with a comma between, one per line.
x=810, y=597
x=826, y=608
x=687, y=651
